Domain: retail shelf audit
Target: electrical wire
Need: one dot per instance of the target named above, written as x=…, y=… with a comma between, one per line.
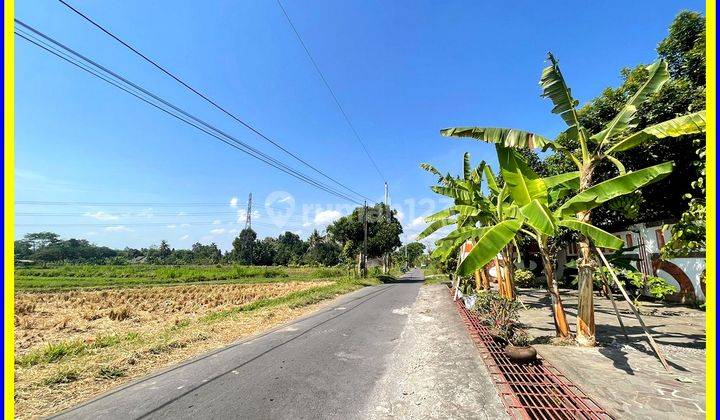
x=186, y=117
x=205, y=97
x=330, y=89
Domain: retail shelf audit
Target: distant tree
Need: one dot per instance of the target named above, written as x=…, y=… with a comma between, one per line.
x=414, y=252
x=206, y=254
x=23, y=250
x=383, y=231
x=289, y=249
x=40, y=240
x=322, y=251
x=264, y=251
x=164, y=250
x=243, y=245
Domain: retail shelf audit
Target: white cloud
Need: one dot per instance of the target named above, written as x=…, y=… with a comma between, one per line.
x=326, y=217
x=101, y=215
x=146, y=213
x=184, y=237
x=216, y=222
x=171, y=226
x=242, y=214
x=182, y=213
x=91, y=233
x=400, y=215
x=184, y=225
x=118, y=228
x=417, y=222
x=233, y=202
x=285, y=200
x=307, y=224
x=217, y=231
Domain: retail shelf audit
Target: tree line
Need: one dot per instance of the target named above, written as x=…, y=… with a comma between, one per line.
x=342, y=244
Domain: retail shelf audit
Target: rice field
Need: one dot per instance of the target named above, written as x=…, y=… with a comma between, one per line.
x=107, y=276
x=82, y=330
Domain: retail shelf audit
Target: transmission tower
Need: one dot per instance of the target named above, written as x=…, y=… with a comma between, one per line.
x=248, y=216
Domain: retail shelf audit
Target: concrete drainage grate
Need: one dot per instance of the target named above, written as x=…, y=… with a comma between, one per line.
x=531, y=391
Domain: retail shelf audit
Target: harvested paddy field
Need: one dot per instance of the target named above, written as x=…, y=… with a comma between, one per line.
x=72, y=344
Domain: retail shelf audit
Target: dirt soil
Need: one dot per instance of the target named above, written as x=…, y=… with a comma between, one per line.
x=435, y=371
x=151, y=328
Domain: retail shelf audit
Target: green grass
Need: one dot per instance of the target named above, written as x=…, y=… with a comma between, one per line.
x=78, y=276
x=297, y=299
x=62, y=376
x=436, y=279
x=55, y=352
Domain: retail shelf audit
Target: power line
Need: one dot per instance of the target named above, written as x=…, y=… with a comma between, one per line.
x=332, y=93
x=206, y=98
x=205, y=126
x=196, y=122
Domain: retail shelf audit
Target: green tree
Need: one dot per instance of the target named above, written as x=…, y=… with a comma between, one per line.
x=264, y=251
x=206, y=254
x=383, y=231
x=593, y=148
x=290, y=249
x=322, y=250
x=243, y=246
x=409, y=254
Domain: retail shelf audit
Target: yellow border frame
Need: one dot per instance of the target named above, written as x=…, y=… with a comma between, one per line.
x=711, y=248
x=9, y=165
x=9, y=173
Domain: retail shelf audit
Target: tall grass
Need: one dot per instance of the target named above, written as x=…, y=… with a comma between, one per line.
x=72, y=276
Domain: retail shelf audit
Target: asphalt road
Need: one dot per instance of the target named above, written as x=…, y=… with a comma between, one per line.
x=320, y=366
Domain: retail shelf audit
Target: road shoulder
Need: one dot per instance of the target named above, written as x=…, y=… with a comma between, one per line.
x=435, y=370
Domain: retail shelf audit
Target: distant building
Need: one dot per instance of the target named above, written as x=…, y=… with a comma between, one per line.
x=683, y=273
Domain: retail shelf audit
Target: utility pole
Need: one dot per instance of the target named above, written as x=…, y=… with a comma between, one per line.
x=363, y=261
x=248, y=216
x=386, y=257
x=248, y=224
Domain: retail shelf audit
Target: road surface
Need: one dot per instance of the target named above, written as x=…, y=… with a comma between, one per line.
x=321, y=366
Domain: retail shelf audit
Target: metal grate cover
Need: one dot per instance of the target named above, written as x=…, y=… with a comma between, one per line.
x=530, y=391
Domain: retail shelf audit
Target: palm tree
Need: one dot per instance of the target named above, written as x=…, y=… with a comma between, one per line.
x=618, y=135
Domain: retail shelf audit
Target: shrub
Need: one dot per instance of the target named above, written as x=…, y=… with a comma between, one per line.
x=63, y=376
x=498, y=313
x=524, y=278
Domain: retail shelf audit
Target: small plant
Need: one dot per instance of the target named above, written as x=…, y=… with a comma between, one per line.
x=637, y=283
x=62, y=376
x=110, y=372
x=498, y=313
x=520, y=338
x=524, y=278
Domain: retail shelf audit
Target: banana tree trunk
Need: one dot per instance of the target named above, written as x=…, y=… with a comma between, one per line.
x=499, y=277
x=478, y=281
x=508, y=277
x=485, y=279
x=562, y=329
x=586, y=267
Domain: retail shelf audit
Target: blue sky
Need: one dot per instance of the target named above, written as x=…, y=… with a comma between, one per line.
x=402, y=70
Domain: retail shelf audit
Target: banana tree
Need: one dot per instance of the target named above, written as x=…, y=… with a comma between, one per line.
x=533, y=208
x=619, y=135
x=470, y=208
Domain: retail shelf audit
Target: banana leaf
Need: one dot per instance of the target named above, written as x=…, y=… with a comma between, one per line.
x=624, y=120
x=523, y=183
x=599, y=237
x=489, y=245
x=554, y=87
x=615, y=187
x=539, y=217
x=508, y=137
x=687, y=124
